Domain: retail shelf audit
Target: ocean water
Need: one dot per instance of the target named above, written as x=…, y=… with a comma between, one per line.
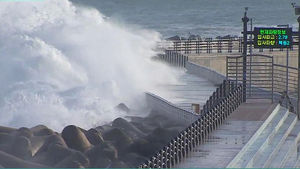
x=62, y=64
x=208, y=18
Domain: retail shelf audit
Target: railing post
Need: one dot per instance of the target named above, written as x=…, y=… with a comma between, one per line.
x=227, y=68
x=236, y=70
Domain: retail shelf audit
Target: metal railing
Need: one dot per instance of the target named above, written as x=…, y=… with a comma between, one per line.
x=210, y=45
x=173, y=58
x=265, y=79
x=222, y=103
x=259, y=74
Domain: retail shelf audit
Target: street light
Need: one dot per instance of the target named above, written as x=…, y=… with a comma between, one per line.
x=245, y=20
x=297, y=12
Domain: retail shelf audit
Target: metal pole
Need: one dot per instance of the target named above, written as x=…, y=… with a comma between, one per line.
x=287, y=70
x=298, y=68
x=250, y=51
x=245, y=20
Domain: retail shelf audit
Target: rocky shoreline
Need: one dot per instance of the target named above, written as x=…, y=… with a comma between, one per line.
x=120, y=144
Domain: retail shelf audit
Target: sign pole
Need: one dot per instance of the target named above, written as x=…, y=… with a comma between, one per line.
x=245, y=20
x=298, y=99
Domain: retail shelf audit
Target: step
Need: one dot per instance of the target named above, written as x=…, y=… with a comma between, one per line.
x=270, y=147
x=282, y=154
x=271, y=125
x=290, y=161
x=297, y=164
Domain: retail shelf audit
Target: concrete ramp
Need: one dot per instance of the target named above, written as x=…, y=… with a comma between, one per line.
x=274, y=144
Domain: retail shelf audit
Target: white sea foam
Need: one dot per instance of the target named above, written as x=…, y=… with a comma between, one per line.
x=61, y=64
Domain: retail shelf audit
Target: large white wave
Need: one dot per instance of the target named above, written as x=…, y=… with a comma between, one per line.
x=61, y=64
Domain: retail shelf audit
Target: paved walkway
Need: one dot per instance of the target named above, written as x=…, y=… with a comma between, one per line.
x=189, y=89
x=224, y=143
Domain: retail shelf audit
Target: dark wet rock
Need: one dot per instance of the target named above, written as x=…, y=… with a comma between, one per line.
x=194, y=37
x=142, y=127
x=146, y=148
x=41, y=130
x=52, y=140
x=118, y=164
x=5, y=148
x=226, y=37
x=157, y=119
x=54, y=154
x=134, y=159
x=119, y=138
x=122, y=107
x=75, y=138
x=104, y=128
x=174, y=38
x=94, y=136
x=21, y=147
x=176, y=129
x=127, y=127
x=106, y=150
x=142, y=147
x=6, y=129
x=23, y=131
x=9, y=161
x=6, y=138
x=37, y=142
x=75, y=160
x=136, y=119
x=162, y=135
x=103, y=163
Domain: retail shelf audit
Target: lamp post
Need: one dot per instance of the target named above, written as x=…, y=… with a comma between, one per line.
x=298, y=99
x=245, y=20
x=297, y=12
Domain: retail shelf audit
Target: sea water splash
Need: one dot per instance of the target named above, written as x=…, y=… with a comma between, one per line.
x=61, y=64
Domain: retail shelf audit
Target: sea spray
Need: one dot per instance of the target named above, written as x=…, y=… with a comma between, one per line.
x=61, y=64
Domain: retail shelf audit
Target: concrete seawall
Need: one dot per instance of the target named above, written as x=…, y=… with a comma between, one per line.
x=204, y=72
x=170, y=110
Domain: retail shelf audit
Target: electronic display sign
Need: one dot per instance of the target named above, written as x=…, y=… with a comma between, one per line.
x=272, y=37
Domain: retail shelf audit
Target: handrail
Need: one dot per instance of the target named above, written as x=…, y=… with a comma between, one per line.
x=209, y=45
x=276, y=80
x=173, y=58
x=223, y=102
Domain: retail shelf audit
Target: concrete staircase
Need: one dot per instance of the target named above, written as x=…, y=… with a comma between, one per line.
x=274, y=144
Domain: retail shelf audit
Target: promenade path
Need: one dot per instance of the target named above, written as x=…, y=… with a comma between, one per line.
x=227, y=141
x=187, y=90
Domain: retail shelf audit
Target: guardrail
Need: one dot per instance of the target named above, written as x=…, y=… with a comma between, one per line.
x=264, y=78
x=222, y=103
x=173, y=58
x=210, y=45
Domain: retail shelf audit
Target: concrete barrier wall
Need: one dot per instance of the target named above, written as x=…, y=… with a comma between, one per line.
x=170, y=110
x=205, y=72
